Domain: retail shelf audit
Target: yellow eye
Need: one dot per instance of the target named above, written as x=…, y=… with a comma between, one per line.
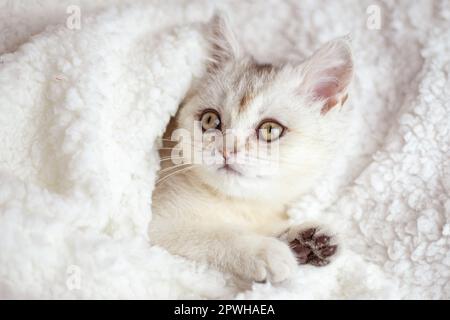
x=270, y=131
x=210, y=120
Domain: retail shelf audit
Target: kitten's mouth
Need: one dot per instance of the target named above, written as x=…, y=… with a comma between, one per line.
x=229, y=169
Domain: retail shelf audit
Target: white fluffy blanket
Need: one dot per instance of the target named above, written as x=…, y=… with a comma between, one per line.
x=80, y=111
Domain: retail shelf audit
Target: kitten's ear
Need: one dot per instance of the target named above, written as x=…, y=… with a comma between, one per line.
x=223, y=44
x=328, y=73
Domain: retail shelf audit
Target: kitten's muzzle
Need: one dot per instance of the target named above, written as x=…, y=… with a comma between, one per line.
x=229, y=169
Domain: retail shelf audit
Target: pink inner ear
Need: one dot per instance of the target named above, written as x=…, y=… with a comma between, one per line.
x=330, y=87
x=328, y=73
x=326, y=89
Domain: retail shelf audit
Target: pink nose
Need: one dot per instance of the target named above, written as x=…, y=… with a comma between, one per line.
x=229, y=147
x=227, y=153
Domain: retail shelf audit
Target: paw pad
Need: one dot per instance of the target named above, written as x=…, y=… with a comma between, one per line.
x=313, y=249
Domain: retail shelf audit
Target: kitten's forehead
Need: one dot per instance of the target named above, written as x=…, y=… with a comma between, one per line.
x=241, y=86
x=252, y=81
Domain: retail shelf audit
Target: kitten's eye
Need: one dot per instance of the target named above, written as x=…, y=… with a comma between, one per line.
x=270, y=130
x=210, y=119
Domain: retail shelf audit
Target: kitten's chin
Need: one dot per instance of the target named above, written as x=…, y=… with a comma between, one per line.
x=231, y=182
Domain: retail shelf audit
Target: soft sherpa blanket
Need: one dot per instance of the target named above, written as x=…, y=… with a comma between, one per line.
x=81, y=110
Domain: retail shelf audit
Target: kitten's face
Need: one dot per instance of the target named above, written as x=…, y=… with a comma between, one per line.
x=265, y=131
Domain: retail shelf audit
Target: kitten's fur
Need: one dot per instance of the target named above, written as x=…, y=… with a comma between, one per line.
x=232, y=221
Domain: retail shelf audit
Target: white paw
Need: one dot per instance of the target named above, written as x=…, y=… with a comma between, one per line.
x=268, y=260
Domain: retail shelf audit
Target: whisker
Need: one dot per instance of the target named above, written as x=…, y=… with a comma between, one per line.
x=170, y=158
x=194, y=144
x=173, y=173
x=183, y=148
x=170, y=140
x=174, y=167
x=169, y=148
x=197, y=146
x=247, y=159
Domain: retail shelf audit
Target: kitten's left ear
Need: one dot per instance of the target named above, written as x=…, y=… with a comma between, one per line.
x=328, y=73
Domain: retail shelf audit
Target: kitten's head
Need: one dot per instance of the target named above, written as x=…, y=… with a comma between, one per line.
x=266, y=131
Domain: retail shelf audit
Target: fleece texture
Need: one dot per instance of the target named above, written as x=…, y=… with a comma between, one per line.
x=81, y=111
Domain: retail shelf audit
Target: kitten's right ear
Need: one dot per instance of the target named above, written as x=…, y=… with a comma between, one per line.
x=223, y=44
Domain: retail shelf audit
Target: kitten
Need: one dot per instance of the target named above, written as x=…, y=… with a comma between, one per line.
x=230, y=211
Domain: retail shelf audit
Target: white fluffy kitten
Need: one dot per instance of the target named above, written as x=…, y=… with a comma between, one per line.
x=231, y=213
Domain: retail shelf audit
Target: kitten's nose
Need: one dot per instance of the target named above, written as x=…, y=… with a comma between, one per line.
x=229, y=147
x=227, y=153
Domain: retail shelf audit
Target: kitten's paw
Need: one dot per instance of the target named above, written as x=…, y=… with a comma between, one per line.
x=312, y=245
x=273, y=261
